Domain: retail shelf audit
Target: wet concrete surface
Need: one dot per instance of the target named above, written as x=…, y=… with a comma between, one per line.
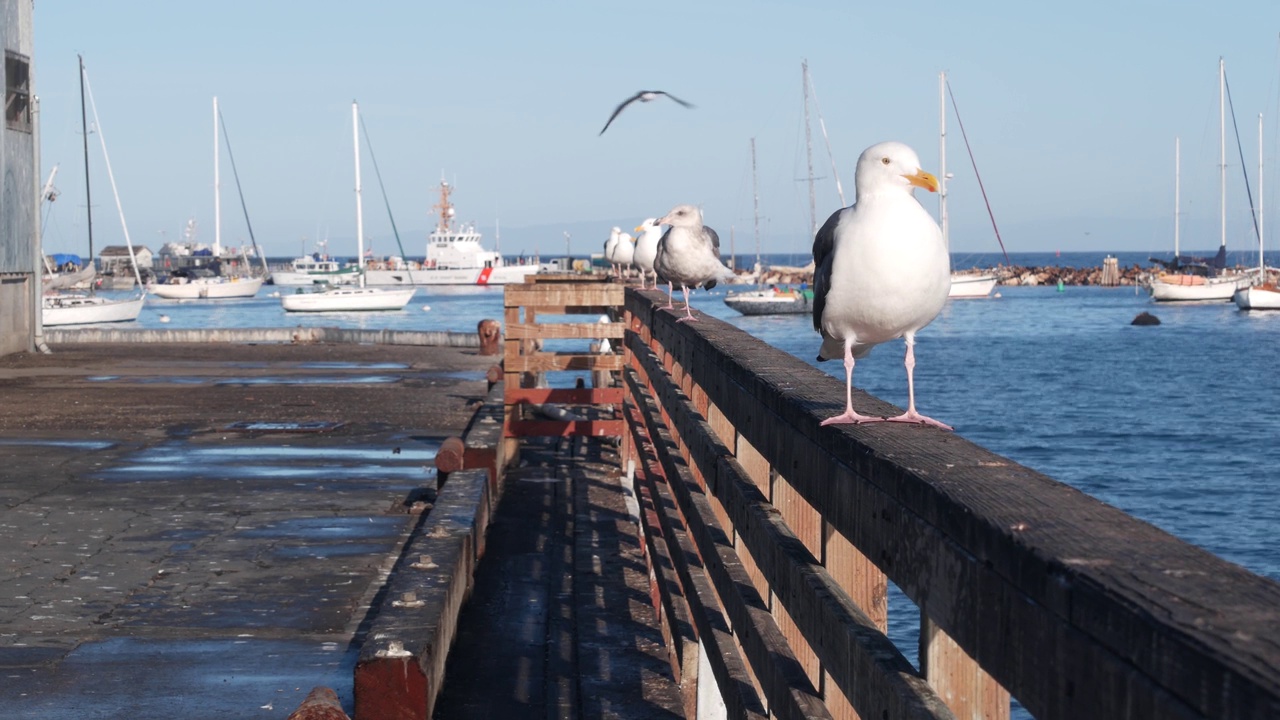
x=158, y=563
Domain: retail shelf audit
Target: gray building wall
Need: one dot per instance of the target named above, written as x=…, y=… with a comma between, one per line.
x=18, y=191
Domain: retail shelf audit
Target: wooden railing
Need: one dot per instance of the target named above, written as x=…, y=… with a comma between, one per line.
x=772, y=540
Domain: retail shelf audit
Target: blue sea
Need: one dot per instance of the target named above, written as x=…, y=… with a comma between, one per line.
x=1176, y=424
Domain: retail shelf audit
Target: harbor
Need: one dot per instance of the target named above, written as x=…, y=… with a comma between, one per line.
x=573, y=407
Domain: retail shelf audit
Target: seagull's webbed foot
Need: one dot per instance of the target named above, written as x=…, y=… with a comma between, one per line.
x=911, y=416
x=849, y=417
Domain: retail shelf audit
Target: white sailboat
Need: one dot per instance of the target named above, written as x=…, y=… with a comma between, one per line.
x=964, y=283
x=60, y=308
x=1212, y=281
x=213, y=287
x=790, y=301
x=1266, y=294
x=349, y=299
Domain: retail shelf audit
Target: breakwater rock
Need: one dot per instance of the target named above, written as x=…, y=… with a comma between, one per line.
x=1008, y=275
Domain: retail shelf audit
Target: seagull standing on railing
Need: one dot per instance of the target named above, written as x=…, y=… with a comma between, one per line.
x=883, y=270
x=646, y=249
x=688, y=254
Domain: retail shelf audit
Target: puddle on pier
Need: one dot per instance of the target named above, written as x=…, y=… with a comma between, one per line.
x=181, y=460
x=279, y=380
x=69, y=444
x=284, y=427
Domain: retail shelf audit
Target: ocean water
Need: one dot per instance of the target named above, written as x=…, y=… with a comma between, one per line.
x=1175, y=424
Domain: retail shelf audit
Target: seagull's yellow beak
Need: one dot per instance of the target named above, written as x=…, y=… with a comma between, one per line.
x=638, y=228
x=922, y=179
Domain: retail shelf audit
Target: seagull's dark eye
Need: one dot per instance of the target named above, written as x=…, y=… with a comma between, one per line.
x=884, y=160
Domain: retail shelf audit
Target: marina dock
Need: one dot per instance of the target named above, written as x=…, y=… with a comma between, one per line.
x=673, y=536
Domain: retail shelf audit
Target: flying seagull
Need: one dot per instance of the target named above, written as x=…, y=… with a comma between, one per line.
x=883, y=271
x=642, y=96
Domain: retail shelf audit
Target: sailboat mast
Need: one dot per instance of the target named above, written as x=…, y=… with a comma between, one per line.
x=115, y=192
x=355, y=135
x=217, y=187
x=1222, y=147
x=755, y=193
x=808, y=150
x=1177, y=195
x=942, y=159
x=84, y=133
x=1262, y=263
x=822, y=125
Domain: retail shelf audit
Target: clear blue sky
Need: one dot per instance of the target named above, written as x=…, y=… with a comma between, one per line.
x=1072, y=110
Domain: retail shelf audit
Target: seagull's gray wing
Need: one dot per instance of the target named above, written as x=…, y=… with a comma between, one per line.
x=619, y=109
x=715, y=240
x=673, y=97
x=824, y=246
x=660, y=257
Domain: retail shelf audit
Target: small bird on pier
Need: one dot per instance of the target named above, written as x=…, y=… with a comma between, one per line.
x=646, y=249
x=688, y=254
x=642, y=96
x=883, y=270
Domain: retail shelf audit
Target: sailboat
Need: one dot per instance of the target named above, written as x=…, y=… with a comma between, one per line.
x=790, y=301
x=964, y=283
x=359, y=298
x=771, y=301
x=59, y=308
x=1266, y=294
x=212, y=287
x=1201, y=278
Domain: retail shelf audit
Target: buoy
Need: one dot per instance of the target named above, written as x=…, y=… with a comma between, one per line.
x=426, y=308
x=1145, y=318
x=1061, y=287
x=164, y=318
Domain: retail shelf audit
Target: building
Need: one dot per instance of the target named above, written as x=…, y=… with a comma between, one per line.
x=19, y=184
x=114, y=259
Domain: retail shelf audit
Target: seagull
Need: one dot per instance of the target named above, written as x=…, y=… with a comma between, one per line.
x=646, y=248
x=609, y=245
x=623, y=254
x=642, y=96
x=883, y=270
x=688, y=254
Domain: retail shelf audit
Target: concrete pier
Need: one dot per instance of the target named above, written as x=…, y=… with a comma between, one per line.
x=200, y=530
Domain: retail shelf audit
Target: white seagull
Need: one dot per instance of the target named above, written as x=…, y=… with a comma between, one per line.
x=646, y=249
x=642, y=96
x=883, y=270
x=688, y=254
x=609, y=245
x=623, y=253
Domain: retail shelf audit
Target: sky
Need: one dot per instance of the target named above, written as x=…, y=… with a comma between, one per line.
x=1071, y=110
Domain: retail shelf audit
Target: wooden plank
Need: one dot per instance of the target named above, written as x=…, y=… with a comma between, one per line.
x=1012, y=565
x=552, y=362
x=565, y=428
x=557, y=331
x=571, y=396
x=541, y=296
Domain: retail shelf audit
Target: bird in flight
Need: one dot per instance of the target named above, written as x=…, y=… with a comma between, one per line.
x=642, y=96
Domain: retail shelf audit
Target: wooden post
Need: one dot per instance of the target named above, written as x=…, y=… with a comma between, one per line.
x=962, y=684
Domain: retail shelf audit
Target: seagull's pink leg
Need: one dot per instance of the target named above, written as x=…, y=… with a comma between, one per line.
x=849, y=416
x=911, y=416
x=688, y=315
x=671, y=296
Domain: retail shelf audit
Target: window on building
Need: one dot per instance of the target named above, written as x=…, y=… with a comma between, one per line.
x=17, y=92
